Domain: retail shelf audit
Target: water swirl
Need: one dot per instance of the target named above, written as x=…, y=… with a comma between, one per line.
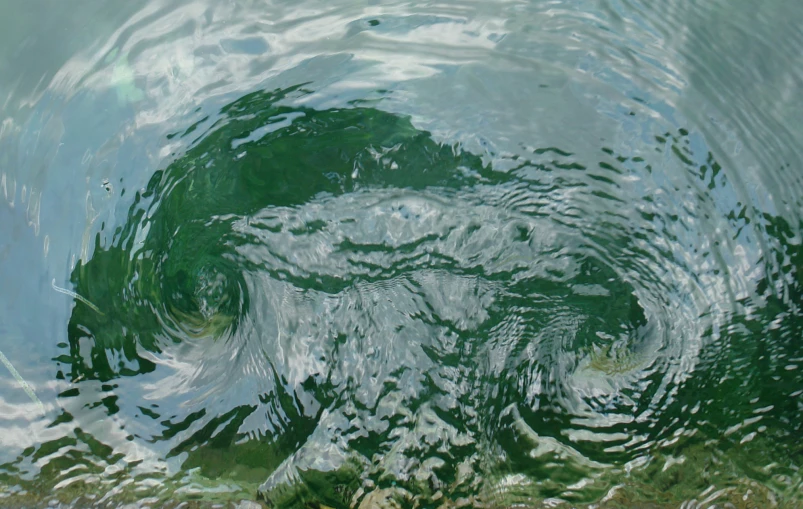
x=353, y=255
x=398, y=303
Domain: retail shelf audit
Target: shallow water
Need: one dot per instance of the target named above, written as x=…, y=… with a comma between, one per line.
x=380, y=254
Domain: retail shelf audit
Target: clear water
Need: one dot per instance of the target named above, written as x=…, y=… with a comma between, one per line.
x=384, y=254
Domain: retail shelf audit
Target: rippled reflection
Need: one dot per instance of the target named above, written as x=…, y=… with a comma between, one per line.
x=330, y=298
x=441, y=255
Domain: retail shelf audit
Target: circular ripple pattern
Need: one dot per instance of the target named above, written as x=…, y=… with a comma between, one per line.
x=492, y=255
x=407, y=309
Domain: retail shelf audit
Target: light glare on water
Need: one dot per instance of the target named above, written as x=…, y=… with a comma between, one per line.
x=380, y=254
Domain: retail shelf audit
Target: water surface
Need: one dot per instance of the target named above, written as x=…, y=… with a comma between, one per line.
x=380, y=254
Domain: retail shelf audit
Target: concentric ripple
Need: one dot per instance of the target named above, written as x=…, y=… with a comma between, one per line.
x=460, y=254
x=335, y=280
